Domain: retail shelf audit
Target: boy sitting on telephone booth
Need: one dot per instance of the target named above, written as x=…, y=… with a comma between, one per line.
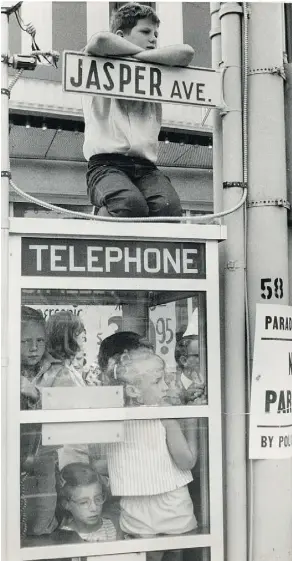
x=121, y=136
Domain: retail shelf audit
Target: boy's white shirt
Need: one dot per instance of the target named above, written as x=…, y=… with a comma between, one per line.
x=121, y=127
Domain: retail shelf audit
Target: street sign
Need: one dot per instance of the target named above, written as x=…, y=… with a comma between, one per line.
x=130, y=79
x=271, y=394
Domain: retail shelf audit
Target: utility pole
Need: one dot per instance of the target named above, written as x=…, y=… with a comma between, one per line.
x=267, y=254
x=5, y=169
x=234, y=287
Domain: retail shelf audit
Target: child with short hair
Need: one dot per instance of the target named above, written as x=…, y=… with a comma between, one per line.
x=37, y=463
x=150, y=468
x=82, y=496
x=34, y=357
x=121, y=136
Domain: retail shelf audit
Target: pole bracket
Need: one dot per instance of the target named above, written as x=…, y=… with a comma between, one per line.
x=279, y=70
x=234, y=265
x=228, y=184
x=5, y=91
x=270, y=202
x=5, y=173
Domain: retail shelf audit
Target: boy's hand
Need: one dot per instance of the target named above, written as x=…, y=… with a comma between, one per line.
x=196, y=394
x=28, y=389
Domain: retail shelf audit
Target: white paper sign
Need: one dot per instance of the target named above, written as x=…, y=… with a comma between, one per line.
x=271, y=411
x=130, y=79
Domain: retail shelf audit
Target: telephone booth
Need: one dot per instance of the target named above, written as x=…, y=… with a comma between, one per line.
x=162, y=284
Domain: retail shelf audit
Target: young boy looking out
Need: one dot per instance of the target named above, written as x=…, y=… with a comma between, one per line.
x=121, y=136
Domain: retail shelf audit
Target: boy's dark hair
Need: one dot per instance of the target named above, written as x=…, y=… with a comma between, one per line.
x=126, y=17
x=181, y=347
x=30, y=314
x=117, y=343
x=62, y=330
x=77, y=474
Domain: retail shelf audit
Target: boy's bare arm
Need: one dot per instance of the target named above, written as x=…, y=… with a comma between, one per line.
x=106, y=43
x=182, y=447
x=174, y=55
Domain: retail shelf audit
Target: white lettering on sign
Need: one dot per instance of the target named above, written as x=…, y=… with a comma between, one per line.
x=38, y=249
x=91, y=258
x=189, y=260
x=130, y=79
x=168, y=259
x=112, y=255
x=152, y=265
x=72, y=265
x=55, y=258
x=133, y=259
x=77, y=258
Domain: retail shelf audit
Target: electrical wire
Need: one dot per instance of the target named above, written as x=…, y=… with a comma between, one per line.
x=193, y=219
x=14, y=79
x=29, y=28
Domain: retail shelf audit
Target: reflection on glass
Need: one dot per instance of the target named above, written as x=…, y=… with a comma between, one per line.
x=147, y=483
x=79, y=337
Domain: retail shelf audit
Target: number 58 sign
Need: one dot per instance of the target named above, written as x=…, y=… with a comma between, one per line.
x=272, y=288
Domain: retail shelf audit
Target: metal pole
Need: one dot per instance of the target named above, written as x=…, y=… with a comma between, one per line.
x=215, y=36
x=5, y=166
x=288, y=123
x=267, y=253
x=234, y=382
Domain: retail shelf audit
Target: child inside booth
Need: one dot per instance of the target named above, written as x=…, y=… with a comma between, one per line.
x=150, y=468
x=82, y=496
x=63, y=337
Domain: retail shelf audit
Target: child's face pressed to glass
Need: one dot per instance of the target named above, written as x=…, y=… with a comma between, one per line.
x=85, y=504
x=151, y=384
x=144, y=34
x=32, y=343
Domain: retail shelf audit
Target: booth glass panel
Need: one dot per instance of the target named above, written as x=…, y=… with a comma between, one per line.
x=62, y=332
x=140, y=479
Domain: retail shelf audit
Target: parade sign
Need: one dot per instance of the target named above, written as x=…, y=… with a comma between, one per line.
x=271, y=404
x=115, y=259
x=130, y=79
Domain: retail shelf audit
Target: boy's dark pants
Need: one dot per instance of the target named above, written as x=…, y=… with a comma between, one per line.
x=130, y=186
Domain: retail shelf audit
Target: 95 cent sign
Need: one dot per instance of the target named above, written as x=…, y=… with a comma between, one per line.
x=130, y=79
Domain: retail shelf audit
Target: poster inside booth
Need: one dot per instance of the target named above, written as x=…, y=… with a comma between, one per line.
x=119, y=399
